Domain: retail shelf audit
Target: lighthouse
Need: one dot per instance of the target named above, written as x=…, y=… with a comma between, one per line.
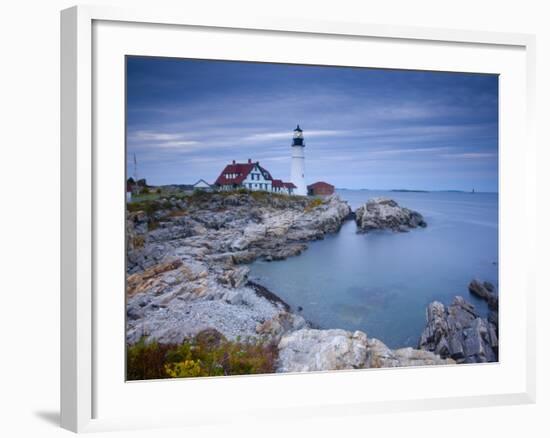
x=297, y=166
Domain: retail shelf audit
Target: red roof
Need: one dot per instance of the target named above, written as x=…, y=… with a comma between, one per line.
x=277, y=183
x=320, y=184
x=289, y=185
x=241, y=170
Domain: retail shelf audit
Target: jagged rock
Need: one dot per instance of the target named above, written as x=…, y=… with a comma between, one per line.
x=485, y=291
x=384, y=213
x=459, y=333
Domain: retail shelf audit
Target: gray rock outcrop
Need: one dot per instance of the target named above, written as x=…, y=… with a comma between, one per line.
x=386, y=214
x=459, y=332
x=186, y=262
x=321, y=350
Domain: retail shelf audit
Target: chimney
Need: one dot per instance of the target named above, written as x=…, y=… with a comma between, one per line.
x=233, y=161
x=249, y=161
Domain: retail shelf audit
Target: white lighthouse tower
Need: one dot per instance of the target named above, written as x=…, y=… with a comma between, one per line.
x=298, y=165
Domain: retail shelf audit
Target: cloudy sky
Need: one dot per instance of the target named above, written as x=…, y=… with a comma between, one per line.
x=363, y=128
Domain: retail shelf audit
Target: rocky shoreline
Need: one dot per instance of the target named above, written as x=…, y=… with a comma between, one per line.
x=187, y=259
x=187, y=272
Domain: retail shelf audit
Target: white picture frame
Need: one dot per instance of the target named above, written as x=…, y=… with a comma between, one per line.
x=85, y=386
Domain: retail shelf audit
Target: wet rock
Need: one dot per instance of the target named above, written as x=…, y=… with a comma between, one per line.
x=386, y=214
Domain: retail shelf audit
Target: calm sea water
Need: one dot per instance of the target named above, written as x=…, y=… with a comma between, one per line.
x=381, y=282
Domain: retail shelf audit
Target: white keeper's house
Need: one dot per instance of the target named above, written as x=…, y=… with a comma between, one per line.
x=251, y=176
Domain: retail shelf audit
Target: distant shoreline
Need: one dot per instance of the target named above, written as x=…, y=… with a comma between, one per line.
x=412, y=191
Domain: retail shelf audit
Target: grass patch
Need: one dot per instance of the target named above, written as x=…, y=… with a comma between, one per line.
x=207, y=354
x=148, y=206
x=314, y=203
x=145, y=197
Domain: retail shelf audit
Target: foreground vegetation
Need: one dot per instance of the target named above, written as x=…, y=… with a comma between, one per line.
x=207, y=354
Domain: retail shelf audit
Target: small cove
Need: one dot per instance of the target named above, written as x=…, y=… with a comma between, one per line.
x=381, y=282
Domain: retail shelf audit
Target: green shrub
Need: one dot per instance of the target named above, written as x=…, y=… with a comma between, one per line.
x=146, y=361
x=148, y=207
x=207, y=354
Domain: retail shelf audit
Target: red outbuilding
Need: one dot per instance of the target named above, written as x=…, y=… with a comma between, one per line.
x=320, y=188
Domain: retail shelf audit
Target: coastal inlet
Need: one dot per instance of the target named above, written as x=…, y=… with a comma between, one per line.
x=382, y=282
x=192, y=297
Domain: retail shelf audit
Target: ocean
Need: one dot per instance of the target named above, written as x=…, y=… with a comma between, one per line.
x=381, y=282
